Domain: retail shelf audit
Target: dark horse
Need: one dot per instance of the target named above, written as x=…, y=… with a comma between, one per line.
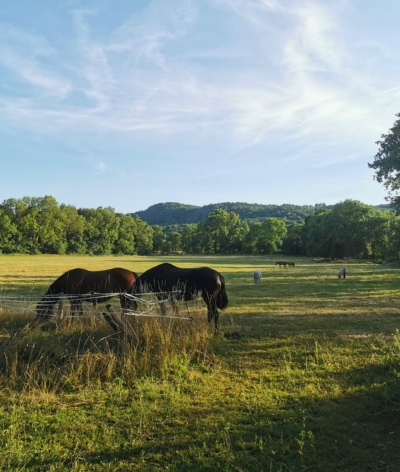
x=186, y=284
x=81, y=285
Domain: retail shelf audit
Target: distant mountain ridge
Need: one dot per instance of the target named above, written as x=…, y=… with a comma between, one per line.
x=173, y=214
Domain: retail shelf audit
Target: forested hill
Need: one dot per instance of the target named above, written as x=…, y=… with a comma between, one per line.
x=166, y=214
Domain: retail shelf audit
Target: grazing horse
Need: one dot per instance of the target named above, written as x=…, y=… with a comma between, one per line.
x=281, y=263
x=81, y=285
x=291, y=264
x=257, y=277
x=185, y=284
x=342, y=272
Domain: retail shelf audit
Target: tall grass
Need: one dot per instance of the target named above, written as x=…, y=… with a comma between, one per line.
x=64, y=354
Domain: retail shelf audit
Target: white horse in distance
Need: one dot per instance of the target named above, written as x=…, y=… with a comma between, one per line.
x=342, y=272
x=257, y=277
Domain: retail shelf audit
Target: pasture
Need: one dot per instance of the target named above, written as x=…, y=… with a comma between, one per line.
x=303, y=375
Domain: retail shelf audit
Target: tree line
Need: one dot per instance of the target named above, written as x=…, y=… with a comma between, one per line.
x=42, y=226
x=349, y=229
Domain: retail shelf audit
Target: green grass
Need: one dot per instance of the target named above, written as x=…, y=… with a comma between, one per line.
x=304, y=375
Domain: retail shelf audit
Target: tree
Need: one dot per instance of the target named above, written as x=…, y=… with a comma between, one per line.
x=74, y=226
x=158, y=237
x=173, y=242
x=265, y=237
x=221, y=232
x=380, y=226
x=8, y=230
x=143, y=237
x=125, y=242
x=101, y=229
x=16, y=210
x=40, y=225
x=318, y=234
x=351, y=229
x=387, y=162
x=392, y=252
x=51, y=235
x=294, y=240
x=190, y=240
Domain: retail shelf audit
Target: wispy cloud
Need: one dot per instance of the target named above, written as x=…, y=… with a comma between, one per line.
x=384, y=92
x=22, y=54
x=305, y=79
x=212, y=175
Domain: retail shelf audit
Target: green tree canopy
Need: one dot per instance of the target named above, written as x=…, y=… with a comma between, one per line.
x=173, y=242
x=265, y=237
x=190, y=240
x=8, y=230
x=158, y=238
x=221, y=232
x=387, y=162
x=294, y=242
x=351, y=229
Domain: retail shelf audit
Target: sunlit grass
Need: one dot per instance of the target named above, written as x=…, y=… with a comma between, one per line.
x=303, y=376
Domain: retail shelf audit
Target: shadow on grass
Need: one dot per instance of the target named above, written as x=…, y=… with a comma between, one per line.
x=354, y=432
x=306, y=393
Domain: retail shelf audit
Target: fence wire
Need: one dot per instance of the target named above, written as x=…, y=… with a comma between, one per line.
x=28, y=304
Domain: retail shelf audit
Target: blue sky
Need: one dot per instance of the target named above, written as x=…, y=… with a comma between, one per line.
x=131, y=103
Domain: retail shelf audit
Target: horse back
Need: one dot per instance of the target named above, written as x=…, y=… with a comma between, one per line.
x=169, y=277
x=78, y=281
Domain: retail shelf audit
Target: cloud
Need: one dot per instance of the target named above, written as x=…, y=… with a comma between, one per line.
x=22, y=54
x=305, y=79
x=212, y=175
x=101, y=167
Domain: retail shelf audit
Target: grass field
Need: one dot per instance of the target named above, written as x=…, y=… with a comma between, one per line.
x=303, y=376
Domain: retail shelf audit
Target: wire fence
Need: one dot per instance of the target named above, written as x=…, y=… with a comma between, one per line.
x=146, y=304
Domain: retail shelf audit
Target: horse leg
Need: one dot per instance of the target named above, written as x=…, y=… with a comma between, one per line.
x=211, y=303
x=76, y=308
x=124, y=301
x=161, y=302
x=174, y=305
x=94, y=299
x=213, y=313
x=216, y=320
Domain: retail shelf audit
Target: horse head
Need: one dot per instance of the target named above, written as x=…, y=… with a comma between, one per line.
x=44, y=309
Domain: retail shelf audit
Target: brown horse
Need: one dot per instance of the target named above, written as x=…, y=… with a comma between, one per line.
x=291, y=264
x=185, y=284
x=281, y=263
x=81, y=285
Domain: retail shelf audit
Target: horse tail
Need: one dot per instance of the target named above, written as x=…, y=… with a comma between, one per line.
x=222, y=297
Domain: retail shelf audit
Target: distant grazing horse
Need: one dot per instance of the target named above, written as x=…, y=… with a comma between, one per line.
x=291, y=264
x=167, y=279
x=81, y=285
x=257, y=277
x=342, y=272
x=281, y=263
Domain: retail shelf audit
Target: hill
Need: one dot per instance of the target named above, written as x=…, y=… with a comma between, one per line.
x=171, y=213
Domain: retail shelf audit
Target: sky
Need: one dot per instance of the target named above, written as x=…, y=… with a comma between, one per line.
x=131, y=103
